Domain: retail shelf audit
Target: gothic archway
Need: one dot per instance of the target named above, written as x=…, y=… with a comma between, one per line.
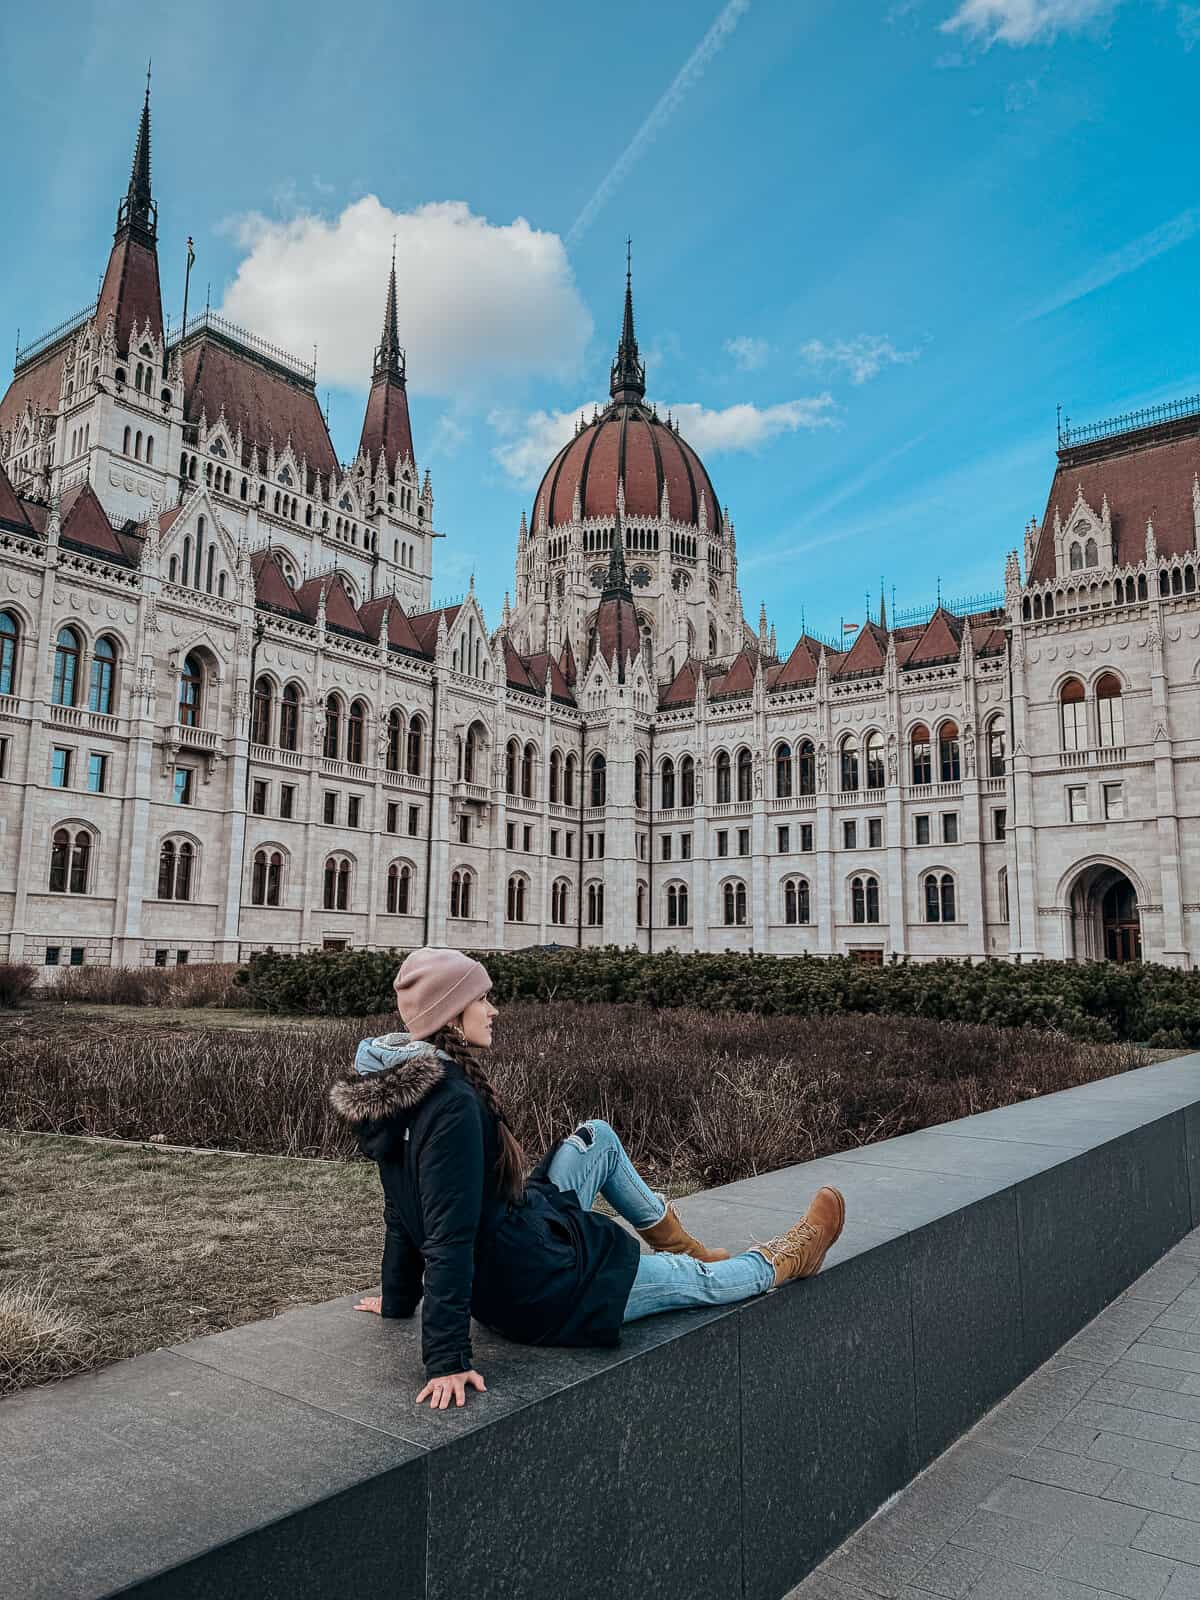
x=1106, y=920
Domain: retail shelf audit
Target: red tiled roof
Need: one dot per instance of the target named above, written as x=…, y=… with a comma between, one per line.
x=271, y=588
x=11, y=509
x=1145, y=474
x=258, y=397
x=800, y=666
x=387, y=425
x=681, y=691
x=566, y=662
x=339, y=610
x=627, y=441
x=130, y=291
x=83, y=522
x=940, y=638
x=617, y=633
x=425, y=626
x=538, y=665
x=39, y=383
x=516, y=672
x=987, y=639
x=400, y=630
x=739, y=679
x=867, y=653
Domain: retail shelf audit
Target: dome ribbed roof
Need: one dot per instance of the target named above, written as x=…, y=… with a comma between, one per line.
x=627, y=443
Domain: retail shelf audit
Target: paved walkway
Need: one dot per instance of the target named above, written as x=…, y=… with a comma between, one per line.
x=1083, y=1484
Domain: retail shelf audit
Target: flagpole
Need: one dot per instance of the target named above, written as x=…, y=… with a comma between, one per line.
x=187, y=278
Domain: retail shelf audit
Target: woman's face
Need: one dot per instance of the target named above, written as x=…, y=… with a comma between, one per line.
x=476, y=1023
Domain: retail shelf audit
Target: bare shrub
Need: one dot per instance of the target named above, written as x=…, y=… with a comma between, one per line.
x=16, y=982
x=39, y=1341
x=202, y=984
x=697, y=1096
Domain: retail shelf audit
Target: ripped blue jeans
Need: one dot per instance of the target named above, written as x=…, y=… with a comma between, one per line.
x=593, y=1161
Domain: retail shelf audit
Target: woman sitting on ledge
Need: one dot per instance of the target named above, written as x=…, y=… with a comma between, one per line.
x=529, y=1258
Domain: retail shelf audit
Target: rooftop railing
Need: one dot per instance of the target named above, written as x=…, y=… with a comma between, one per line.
x=27, y=352
x=1129, y=422
x=208, y=320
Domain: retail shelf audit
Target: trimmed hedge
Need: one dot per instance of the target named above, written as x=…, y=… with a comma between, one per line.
x=1099, y=1001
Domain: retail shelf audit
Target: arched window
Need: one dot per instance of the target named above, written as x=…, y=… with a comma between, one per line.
x=103, y=676
x=806, y=765
x=939, y=897
x=876, y=773
x=460, y=893
x=266, y=878
x=9, y=636
x=416, y=741
x=1002, y=889
x=70, y=861
x=640, y=907
x=1073, y=715
x=191, y=692
x=997, y=748
x=922, y=762
x=333, y=727
x=666, y=785
x=261, y=715
x=558, y=902
x=599, y=776
x=516, y=898
x=745, y=775
x=149, y=449
x=796, y=901
x=175, y=863
x=1091, y=555
x=595, y=905
x=724, y=773
x=337, y=884
x=1110, y=711
x=783, y=772
x=399, y=888
x=734, y=904
x=555, y=777
x=125, y=441
x=677, y=905
x=687, y=782
x=1076, y=556
x=864, y=899
x=512, y=759
x=569, y=768
x=67, y=653
x=949, y=762
x=848, y=752
x=639, y=781
x=289, y=718
x=471, y=750
x=528, y=764
x=356, y=732
x=395, y=739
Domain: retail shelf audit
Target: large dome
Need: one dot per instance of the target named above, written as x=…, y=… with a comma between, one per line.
x=629, y=442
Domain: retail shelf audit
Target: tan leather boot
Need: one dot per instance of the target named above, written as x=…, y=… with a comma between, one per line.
x=671, y=1236
x=799, y=1252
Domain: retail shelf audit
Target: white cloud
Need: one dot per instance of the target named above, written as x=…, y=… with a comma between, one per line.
x=748, y=354
x=862, y=358
x=668, y=103
x=478, y=301
x=529, y=443
x=1020, y=22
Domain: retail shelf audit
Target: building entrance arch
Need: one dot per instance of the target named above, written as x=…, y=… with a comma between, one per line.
x=1106, y=923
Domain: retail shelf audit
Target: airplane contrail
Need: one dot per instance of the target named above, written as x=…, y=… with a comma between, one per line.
x=685, y=79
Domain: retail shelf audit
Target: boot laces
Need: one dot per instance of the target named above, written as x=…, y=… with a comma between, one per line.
x=794, y=1242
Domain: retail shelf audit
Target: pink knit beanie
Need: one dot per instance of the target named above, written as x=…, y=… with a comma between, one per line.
x=434, y=985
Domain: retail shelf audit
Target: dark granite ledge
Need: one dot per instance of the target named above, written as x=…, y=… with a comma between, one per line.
x=717, y=1453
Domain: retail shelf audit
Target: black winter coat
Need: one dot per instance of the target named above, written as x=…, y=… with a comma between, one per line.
x=538, y=1271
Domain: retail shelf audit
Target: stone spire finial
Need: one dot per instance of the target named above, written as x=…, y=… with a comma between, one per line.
x=627, y=380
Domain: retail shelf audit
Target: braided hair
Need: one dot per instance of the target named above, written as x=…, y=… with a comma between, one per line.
x=510, y=1164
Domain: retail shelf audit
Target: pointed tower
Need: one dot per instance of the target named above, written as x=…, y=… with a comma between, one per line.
x=130, y=292
x=627, y=380
x=387, y=430
x=617, y=632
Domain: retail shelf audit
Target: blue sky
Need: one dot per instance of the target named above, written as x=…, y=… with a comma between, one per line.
x=874, y=243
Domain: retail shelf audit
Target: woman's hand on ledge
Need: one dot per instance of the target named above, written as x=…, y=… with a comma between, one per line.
x=371, y=1302
x=439, y=1390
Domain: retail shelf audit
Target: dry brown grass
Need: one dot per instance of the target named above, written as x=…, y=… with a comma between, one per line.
x=109, y=1250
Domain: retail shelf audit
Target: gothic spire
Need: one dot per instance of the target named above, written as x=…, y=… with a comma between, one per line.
x=137, y=209
x=389, y=357
x=616, y=582
x=628, y=378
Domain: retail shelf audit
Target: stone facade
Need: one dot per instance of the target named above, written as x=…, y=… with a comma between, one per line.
x=230, y=718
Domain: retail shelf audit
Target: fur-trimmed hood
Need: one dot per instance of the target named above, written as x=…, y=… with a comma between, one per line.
x=393, y=1074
